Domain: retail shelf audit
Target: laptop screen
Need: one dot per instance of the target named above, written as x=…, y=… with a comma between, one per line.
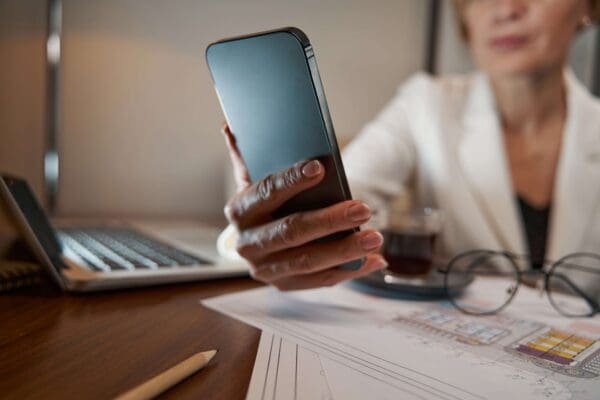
x=35, y=218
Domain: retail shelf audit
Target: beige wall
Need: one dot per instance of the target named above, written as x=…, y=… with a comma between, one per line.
x=22, y=90
x=582, y=56
x=140, y=120
x=453, y=55
x=140, y=117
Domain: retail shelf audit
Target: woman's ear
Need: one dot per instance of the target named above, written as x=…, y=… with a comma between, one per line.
x=586, y=19
x=459, y=14
x=586, y=22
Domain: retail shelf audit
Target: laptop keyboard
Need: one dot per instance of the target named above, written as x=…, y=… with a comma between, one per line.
x=107, y=249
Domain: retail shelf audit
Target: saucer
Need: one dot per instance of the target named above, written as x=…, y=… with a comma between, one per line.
x=429, y=286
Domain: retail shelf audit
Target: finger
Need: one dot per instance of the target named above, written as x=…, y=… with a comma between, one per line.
x=240, y=173
x=332, y=276
x=256, y=203
x=316, y=257
x=300, y=228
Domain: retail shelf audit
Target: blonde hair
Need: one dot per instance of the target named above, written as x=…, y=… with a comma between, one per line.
x=459, y=7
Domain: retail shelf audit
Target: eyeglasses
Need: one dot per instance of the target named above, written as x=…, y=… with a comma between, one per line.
x=572, y=283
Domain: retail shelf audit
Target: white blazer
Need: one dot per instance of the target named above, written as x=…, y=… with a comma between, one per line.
x=440, y=138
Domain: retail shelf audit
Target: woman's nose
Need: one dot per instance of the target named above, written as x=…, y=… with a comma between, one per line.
x=509, y=10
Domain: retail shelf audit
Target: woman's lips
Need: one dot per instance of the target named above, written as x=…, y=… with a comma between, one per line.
x=507, y=43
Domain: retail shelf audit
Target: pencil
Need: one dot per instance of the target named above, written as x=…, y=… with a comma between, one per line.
x=163, y=381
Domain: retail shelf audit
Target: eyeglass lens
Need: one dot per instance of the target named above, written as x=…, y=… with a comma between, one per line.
x=484, y=295
x=574, y=285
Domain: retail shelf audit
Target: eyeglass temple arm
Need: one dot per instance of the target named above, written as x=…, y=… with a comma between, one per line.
x=580, y=267
x=591, y=302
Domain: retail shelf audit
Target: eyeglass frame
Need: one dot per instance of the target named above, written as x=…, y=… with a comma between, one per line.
x=520, y=274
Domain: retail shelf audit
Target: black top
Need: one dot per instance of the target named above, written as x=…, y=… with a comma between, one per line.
x=535, y=221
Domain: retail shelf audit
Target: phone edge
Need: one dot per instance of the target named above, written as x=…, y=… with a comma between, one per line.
x=331, y=139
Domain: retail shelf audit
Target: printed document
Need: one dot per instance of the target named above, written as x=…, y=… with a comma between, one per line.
x=345, y=343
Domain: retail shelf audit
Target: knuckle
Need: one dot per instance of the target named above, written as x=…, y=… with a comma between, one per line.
x=271, y=185
x=232, y=211
x=254, y=272
x=256, y=238
x=242, y=251
x=348, y=249
x=228, y=211
x=329, y=222
x=260, y=272
x=281, y=268
x=288, y=230
x=292, y=176
x=278, y=268
x=302, y=263
x=266, y=188
x=242, y=246
x=257, y=274
x=270, y=271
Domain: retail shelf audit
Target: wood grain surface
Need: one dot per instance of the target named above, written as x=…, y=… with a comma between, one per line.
x=95, y=346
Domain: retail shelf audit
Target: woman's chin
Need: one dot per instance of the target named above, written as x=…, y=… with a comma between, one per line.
x=515, y=67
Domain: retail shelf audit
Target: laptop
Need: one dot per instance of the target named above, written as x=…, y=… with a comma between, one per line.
x=115, y=255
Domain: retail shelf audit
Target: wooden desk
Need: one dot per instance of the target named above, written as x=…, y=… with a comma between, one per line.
x=96, y=346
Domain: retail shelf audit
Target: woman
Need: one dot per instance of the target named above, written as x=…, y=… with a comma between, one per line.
x=510, y=154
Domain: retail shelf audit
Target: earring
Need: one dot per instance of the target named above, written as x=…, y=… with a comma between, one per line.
x=586, y=21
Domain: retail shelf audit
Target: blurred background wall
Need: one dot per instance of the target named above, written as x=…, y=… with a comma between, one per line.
x=139, y=117
x=139, y=120
x=23, y=89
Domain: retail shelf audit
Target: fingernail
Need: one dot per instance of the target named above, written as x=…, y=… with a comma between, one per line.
x=311, y=169
x=380, y=263
x=371, y=241
x=358, y=212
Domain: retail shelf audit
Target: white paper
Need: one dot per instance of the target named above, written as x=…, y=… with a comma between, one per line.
x=339, y=343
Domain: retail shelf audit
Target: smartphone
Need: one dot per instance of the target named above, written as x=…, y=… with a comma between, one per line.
x=271, y=93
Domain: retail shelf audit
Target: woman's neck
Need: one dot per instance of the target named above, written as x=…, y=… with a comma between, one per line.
x=528, y=103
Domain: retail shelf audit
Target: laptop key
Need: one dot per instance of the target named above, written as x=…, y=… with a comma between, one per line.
x=118, y=248
x=137, y=259
x=92, y=260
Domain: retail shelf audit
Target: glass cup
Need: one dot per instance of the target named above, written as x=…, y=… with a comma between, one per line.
x=409, y=240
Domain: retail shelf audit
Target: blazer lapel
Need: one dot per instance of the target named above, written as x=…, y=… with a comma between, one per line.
x=484, y=164
x=577, y=189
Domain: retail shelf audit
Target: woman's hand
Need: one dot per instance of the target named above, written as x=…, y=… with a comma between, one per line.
x=279, y=250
